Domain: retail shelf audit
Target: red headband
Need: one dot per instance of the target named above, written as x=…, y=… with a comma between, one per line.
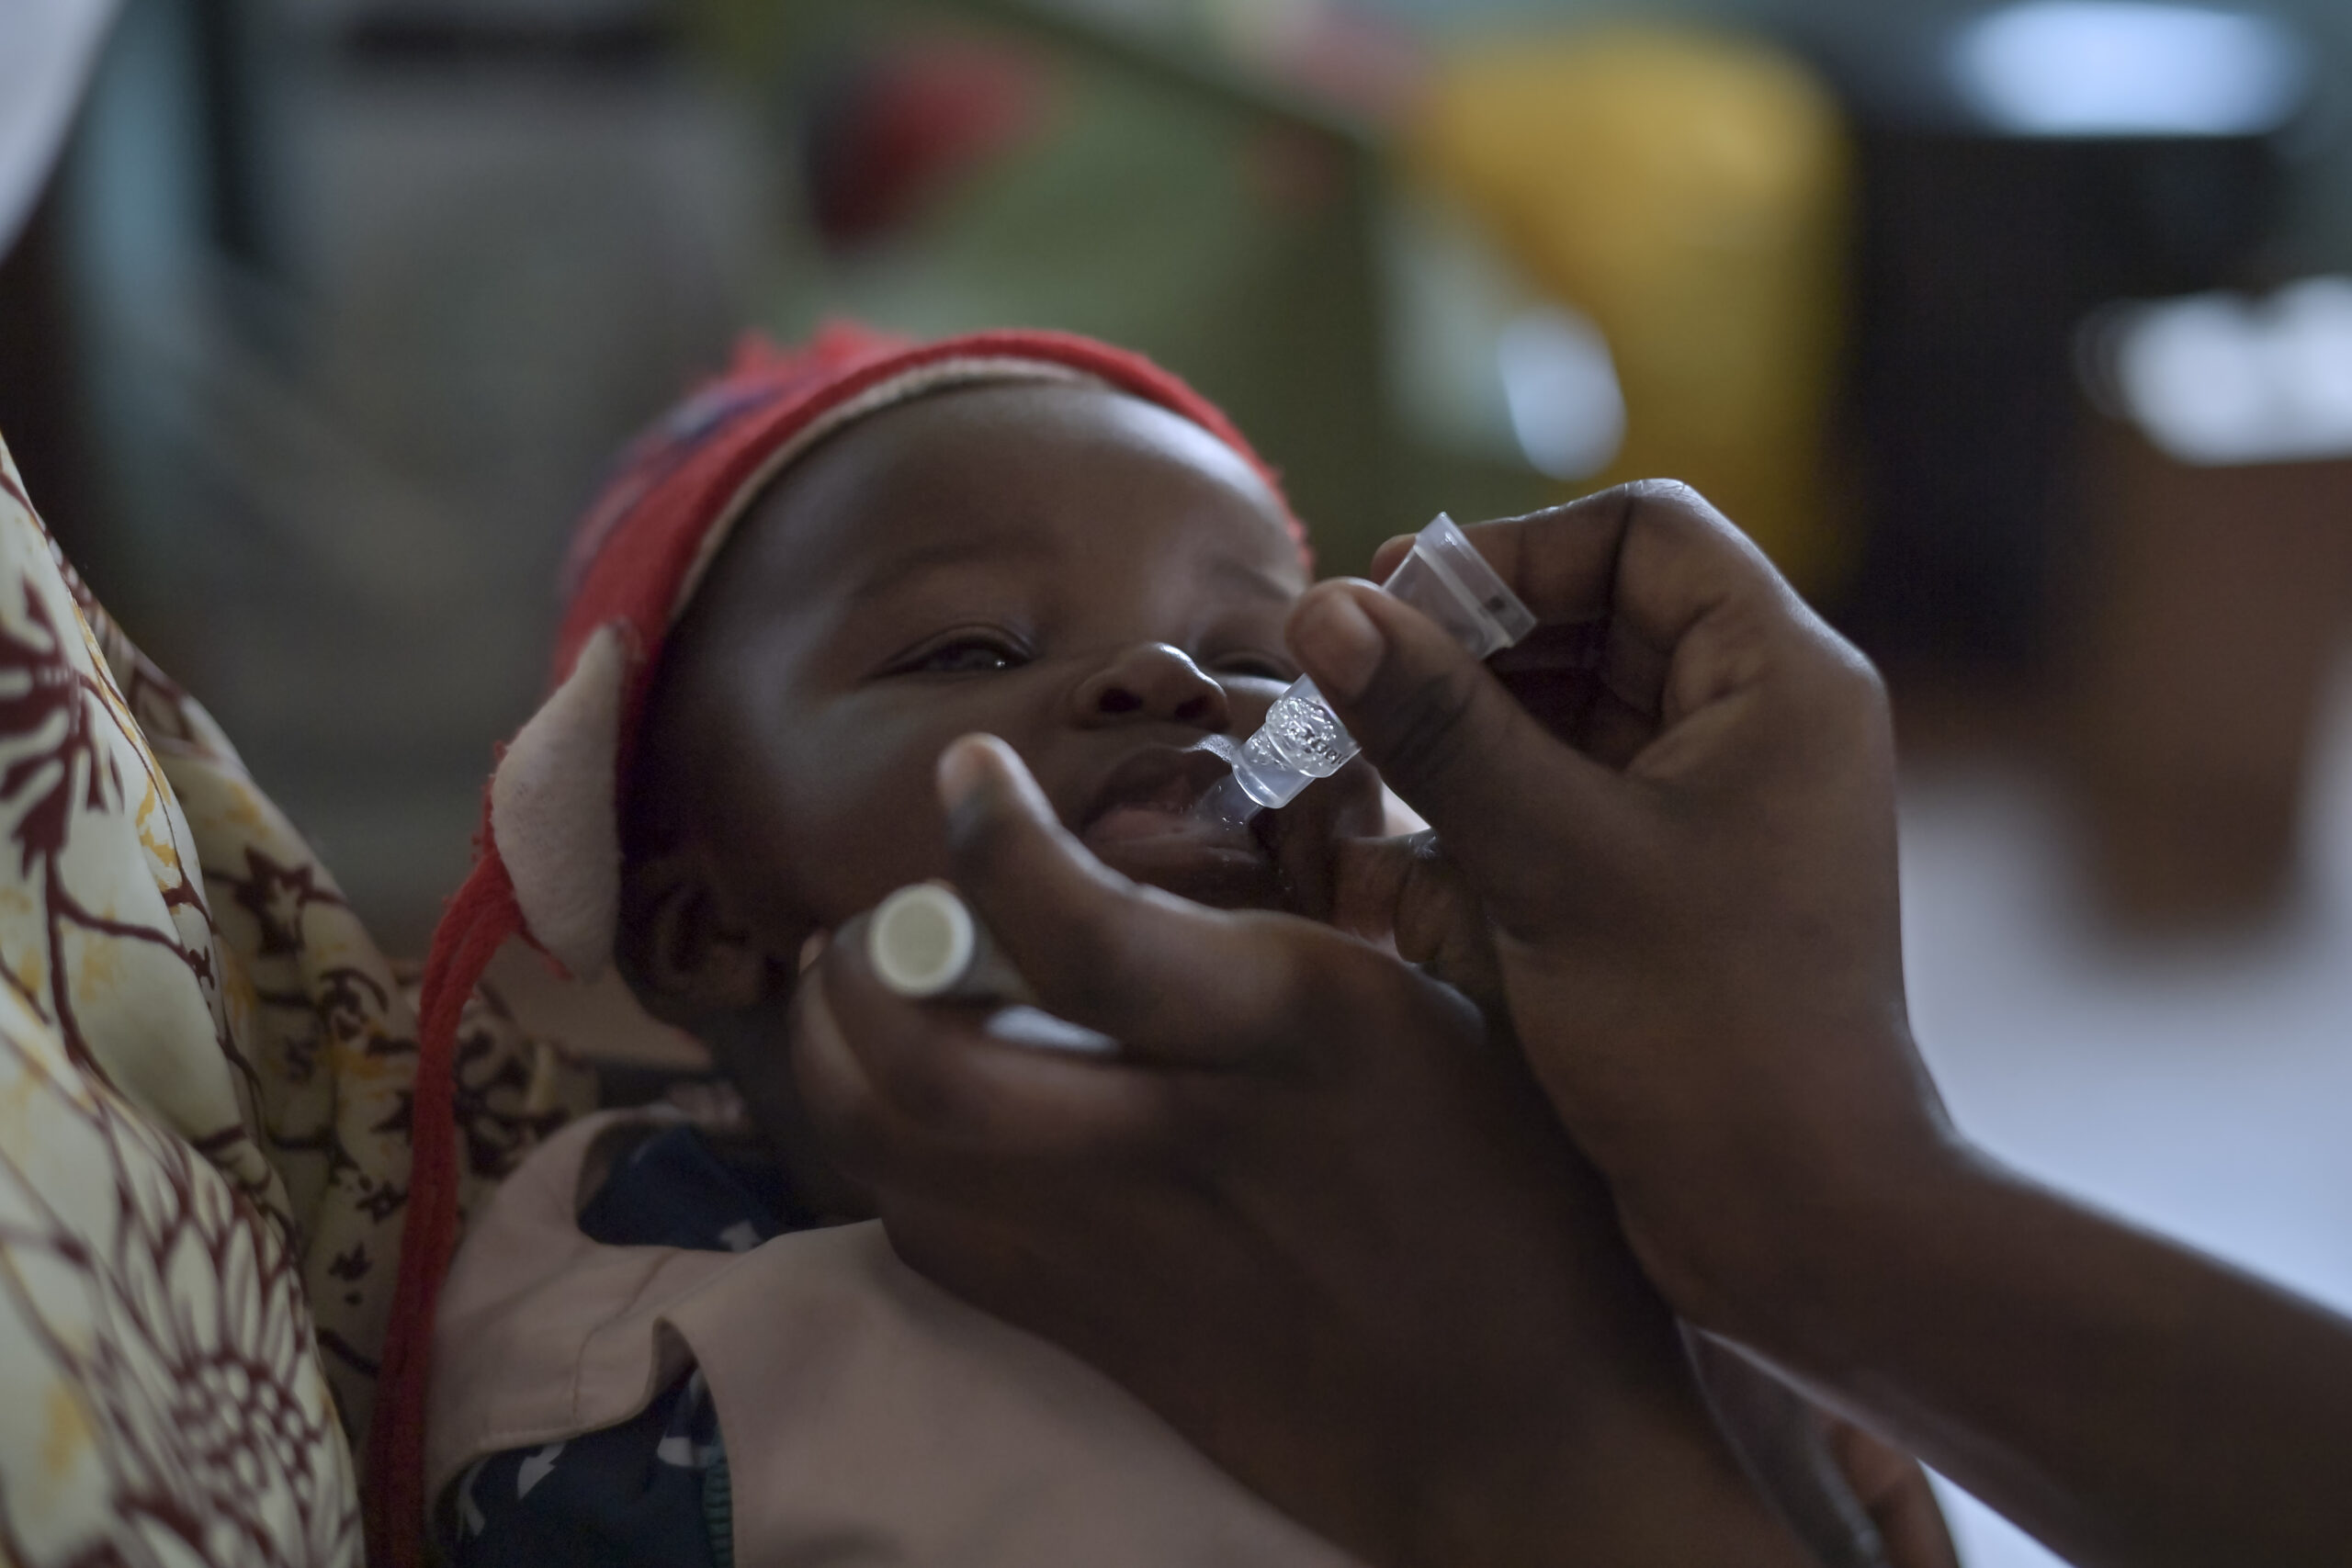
x=547, y=865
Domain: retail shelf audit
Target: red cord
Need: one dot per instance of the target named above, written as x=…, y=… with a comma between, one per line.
x=480, y=918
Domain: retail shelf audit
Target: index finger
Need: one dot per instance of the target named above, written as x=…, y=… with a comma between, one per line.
x=921, y=1092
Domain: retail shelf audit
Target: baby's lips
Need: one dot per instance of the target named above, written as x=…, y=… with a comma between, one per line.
x=1166, y=779
x=1147, y=829
x=1127, y=831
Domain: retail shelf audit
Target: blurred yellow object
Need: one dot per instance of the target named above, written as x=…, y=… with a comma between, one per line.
x=1687, y=192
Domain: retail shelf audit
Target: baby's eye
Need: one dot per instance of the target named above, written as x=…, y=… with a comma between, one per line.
x=970, y=654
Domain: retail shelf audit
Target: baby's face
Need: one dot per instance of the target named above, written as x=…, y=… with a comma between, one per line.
x=1094, y=579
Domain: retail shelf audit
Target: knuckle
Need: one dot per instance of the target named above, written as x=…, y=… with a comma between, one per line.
x=1862, y=679
x=1674, y=494
x=1677, y=509
x=1848, y=682
x=1861, y=669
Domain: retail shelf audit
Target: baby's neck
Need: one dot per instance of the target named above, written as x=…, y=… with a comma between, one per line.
x=752, y=1049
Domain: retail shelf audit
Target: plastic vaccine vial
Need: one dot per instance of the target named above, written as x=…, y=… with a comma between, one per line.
x=925, y=943
x=1444, y=578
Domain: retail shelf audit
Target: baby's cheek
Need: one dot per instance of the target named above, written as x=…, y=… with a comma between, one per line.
x=855, y=783
x=863, y=846
x=842, y=809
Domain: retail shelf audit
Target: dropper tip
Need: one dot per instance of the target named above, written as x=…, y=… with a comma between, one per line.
x=1225, y=802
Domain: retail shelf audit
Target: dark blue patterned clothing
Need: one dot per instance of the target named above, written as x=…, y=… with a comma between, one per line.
x=654, y=1489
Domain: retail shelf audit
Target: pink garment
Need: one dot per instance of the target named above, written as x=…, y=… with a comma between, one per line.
x=870, y=1417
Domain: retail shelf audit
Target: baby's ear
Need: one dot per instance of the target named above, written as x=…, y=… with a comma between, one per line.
x=682, y=945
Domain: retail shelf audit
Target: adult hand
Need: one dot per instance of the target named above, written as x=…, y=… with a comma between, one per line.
x=1309, y=1211
x=1677, y=809
x=1851, y=1497
x=1677, y=813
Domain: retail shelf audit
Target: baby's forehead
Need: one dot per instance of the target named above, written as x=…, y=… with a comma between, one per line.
x=1012, y=469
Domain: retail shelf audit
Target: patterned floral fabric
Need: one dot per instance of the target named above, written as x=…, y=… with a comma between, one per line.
x=206, y=1067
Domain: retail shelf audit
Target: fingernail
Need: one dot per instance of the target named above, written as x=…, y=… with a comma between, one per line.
x=1338, y=643
x=963, y=769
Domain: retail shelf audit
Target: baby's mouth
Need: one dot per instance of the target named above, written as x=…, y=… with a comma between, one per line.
x=1141, y=822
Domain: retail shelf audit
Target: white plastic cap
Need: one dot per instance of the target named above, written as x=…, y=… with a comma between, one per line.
x=922, y=940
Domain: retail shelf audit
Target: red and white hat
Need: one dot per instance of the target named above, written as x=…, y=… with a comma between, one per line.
x=548, y=860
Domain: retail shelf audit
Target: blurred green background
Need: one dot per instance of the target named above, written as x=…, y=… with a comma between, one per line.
x=326, y=326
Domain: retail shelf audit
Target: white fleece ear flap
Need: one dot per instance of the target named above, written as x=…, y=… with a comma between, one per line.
x=554, y=810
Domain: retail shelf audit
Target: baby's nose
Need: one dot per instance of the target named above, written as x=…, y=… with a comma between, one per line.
x=1152, y=681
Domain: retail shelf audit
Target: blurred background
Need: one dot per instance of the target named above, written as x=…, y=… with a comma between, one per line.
x=2019, y=334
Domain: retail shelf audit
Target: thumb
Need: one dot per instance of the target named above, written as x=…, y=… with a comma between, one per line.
x=1172, y=981
x=1510, y=802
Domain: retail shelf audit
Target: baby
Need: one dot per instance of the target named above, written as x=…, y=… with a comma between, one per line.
x=664, y=1344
